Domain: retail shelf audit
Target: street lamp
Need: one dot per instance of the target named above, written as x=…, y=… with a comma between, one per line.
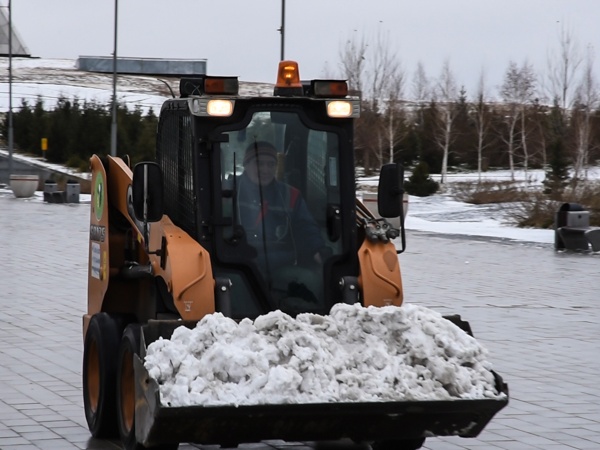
x=282, y=29
x=10, y=114
x=113, y=127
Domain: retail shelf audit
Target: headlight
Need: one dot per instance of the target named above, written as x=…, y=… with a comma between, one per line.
x=216, y=107
x=339, y=108
x=221, y=108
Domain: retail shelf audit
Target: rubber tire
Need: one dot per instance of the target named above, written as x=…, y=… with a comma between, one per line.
x=125, y=390
x=101, y=343
x=408, y=444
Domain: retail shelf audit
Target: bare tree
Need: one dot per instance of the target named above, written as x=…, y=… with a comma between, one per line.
x=420, y=91
x=587, y=100
x=481, y=119
x=386, y=82
x=352, y=62
x=327, y=73
x=563, y=67
x=374, y=69
x=516, y=91
x=395, y=93
x=420, y=84
x=527, y=89
x=446, y=94
x=540, y=118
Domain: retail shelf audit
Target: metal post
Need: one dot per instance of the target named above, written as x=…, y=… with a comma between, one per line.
x=282, y=29
x=113, y=128
x=10, y=114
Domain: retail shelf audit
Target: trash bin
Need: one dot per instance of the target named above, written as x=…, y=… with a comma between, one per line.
x=50, y=190
x=571, y=225
x=72, y=191
x=572, y=215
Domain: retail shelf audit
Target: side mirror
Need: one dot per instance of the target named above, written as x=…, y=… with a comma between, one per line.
x=147, y=192
x=390, y=191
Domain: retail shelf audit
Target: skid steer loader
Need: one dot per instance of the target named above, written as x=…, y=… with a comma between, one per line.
x=170, y=242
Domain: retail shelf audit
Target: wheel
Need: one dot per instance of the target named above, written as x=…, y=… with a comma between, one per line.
x=99, y=370
x=404, y=444
x=130, y=345
x=125, y=392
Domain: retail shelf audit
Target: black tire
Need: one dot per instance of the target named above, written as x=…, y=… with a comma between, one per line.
x=101, y=344
x=125, y=390
x=405, y=444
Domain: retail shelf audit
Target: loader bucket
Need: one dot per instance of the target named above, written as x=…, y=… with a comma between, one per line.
x=229, y=425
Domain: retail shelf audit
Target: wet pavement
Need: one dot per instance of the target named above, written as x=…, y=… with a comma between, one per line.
x=534, y=309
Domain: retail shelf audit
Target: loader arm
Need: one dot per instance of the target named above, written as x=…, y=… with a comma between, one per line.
x=186, y=270
x=380, y=279
x=184, y=265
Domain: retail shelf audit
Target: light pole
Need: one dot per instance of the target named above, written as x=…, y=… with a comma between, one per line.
x=113, y=127
x=10, y=114
x=282, y=29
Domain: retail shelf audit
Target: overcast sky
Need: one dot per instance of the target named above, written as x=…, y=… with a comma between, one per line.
x=241, y=37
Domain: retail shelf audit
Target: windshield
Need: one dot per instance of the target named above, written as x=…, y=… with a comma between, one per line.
x=279, y=178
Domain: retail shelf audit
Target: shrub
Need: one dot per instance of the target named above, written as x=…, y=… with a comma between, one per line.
x=527, y=208
x=420, y=183
x=538, y=210
x=76, y=162
x=486, y=192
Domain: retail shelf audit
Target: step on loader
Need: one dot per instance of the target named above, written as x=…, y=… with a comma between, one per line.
x=249, y=207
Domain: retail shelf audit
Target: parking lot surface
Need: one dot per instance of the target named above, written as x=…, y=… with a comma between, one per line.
x=535, y=310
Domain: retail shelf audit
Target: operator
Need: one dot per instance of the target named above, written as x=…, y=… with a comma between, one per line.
x=274, y=214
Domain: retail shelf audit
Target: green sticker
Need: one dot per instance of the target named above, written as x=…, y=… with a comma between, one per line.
x=98, y=199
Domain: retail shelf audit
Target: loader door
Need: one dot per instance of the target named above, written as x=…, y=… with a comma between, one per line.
x=281, y=240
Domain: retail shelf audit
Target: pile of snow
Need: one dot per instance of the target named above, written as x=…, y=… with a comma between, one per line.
x=355, y=354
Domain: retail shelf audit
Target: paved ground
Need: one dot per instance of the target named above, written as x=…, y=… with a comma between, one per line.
x=534, y=309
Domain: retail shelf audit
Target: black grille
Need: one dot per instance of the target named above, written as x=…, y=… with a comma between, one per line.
x=174, y=154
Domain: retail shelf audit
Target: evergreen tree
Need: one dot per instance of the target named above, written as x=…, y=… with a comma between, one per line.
x=93, y=134
x=420, y=183
x=147, y=138
x=34, y=130
x=429, y=150
x=75, y=132
x=557, y=175
x=21, y=132
x=460, y=149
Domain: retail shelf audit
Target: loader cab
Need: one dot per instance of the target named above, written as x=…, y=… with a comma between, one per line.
x=283, y=243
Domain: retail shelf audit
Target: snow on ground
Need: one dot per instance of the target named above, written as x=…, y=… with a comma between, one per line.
x=354, y=354
x=441, y=214
x=51, y=79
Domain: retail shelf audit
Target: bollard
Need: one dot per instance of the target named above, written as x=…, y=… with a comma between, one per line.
x=72, y=191
x=50, y=189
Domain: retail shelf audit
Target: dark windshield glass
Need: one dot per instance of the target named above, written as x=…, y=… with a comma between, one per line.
x=282, y=180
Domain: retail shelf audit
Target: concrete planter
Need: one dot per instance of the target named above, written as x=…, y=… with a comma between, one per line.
x=24, y=186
